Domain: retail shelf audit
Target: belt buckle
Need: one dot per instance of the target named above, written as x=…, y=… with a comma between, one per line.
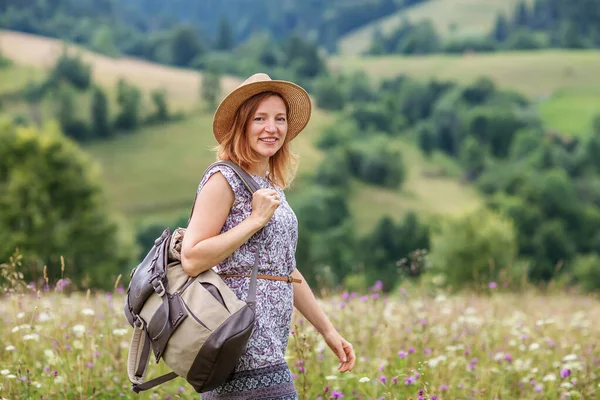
x=289, y=279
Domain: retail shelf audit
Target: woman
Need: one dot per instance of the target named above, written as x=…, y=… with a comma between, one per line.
x=253, y=126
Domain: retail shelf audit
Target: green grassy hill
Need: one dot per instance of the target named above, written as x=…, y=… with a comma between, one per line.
x=452, y=18
x=152, y=174
x=564, y=83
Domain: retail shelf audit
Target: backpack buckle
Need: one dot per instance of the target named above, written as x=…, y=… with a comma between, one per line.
x=160, y=289
x=139, y=323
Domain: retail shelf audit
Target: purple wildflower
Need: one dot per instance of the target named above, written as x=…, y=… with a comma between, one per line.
x=383, y=379
x=402, y=354
x=565, y=373
x=443, y=388
x=337, y=395
x=492, y=285
x=378, y=286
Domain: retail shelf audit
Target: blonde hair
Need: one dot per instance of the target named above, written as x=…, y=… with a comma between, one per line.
x=235, y=146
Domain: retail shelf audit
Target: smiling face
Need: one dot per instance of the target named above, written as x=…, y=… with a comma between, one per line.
x=267, y=128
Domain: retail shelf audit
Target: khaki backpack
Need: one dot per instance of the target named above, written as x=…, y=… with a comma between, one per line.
x=196, y=325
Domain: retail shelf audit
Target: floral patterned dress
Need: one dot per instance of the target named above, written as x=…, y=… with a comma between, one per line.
x=262, y=372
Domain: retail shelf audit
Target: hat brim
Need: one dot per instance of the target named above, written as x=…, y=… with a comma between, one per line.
x=297, y=98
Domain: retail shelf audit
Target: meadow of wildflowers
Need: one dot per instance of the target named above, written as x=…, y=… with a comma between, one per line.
x=494, y=345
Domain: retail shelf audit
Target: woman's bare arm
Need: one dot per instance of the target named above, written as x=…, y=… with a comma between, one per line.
x=203, y=247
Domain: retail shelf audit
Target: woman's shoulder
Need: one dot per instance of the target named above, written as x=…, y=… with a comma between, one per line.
x=230, y=176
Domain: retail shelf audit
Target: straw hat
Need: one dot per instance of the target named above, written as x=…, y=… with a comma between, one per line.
x=296, y=97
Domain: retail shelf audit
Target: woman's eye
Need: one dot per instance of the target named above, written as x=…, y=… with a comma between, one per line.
x=258, y=119
x=282, y=119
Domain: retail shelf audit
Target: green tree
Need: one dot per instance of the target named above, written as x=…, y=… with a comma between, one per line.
x=472, y=157
x=376, y=162
x=129, y=100
x=66, y=114
x=72, y=69
x=501, y=29
x=103, y=41
x=159, y=98
x=328, y=94
x=51, y=205
x=210, y=87
x=473, y=248
x=225, y=39
x=101, y=127
x=334, y=170
x=426, y=138
x=185, y=46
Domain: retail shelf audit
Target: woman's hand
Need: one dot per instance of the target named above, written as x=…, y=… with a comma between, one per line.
x=264, y=204
x=342, y=349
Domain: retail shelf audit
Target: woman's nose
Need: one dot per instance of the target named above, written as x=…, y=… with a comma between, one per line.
x=270, y=126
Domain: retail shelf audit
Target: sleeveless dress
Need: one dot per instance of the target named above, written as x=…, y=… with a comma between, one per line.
x=262, y=372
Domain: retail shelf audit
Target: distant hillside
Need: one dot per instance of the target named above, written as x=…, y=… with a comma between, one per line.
x=564, y=83
x=38, y=52
x=451, y=18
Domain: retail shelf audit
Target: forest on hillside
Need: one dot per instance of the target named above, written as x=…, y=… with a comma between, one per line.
x=572, y=24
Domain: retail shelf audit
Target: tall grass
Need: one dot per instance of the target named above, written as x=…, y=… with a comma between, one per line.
x=417, y=342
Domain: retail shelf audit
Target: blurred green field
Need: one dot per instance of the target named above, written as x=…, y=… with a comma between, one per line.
x=451, y=18
x=564, y=83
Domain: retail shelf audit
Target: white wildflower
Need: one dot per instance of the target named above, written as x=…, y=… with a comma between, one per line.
x=364, y=379
x=11, y=376
x=566, y=385
x=119, y=332
x=32, y=336
x=570, y=357
x=549, y=377
x=534, y=346
x=440, y=298
x=79, y=329
x=36, y=384
x=21, y=315
x=15, y=329
x=77, y=344
x=58, y=379
x=88, y=311
x=4, y=372
x=10, y=347
x=331, y=377
x=44, y=316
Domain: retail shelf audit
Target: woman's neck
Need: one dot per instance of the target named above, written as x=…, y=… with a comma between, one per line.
x=259, y=169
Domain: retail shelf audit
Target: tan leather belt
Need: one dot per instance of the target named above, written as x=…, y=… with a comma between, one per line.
x=288, y=279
